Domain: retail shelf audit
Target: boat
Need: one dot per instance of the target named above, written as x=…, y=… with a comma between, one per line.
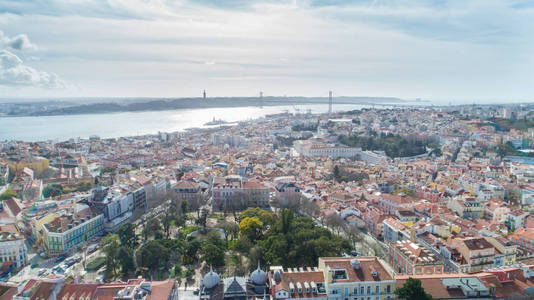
x=216, y=122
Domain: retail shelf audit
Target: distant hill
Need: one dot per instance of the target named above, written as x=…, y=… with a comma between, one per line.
x=144, y=104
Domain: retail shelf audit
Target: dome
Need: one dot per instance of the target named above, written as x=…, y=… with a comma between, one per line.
x=211, y=279
x=258, y=277
x=277, y=276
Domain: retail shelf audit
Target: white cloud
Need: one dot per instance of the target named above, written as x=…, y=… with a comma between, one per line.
x=18, y=42
x=13, y=72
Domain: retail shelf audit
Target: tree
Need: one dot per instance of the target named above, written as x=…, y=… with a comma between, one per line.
x=254, y=255
x=152, y=227
x=184, y=206
x=251, y=228
x=127, y=235
x=310, y=207
x=152, y=255
x=335, y=222
x=167, y=219
x=202, y=221
x=126, y=260
x=299, y=241
x=191, y=249
x=353, y=234
x=111, y=247
x=213, y=249
x=52, y=190
x=230, y=229
x=267, y=218
x=412, y=290
x=337, y=173
x=8, y=194
x=285, y=221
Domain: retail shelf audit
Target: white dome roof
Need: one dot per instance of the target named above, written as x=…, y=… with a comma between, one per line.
x=258, y=277
x=211, y=279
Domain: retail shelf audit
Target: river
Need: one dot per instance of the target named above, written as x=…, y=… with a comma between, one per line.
x=61, y=128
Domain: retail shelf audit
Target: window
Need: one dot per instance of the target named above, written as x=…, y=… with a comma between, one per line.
x=369, y=290
x=361, y=290
x=388, y=289
x=377, y=289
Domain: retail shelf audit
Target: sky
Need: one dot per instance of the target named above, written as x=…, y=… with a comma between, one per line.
x=475, y=50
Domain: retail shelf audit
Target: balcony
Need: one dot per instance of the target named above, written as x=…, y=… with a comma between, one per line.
x=481, y=256
x=491, y=262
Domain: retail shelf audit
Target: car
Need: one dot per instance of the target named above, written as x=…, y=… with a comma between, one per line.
x=34, y=265
x=42, y=272
x=354, y=253
x=67, y=264
x=60, y=258
x=92, y=249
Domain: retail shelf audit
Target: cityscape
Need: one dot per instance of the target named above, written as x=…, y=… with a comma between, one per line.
x=350, y=204
x=266, y=150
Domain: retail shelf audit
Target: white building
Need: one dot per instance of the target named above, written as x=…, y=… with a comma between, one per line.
x=12, y=249
x=317, y=148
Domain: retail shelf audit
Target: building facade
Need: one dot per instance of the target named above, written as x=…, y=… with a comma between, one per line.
x=12, y=249
x=64, y=233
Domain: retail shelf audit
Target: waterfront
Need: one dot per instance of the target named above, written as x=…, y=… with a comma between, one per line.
x=139, y=123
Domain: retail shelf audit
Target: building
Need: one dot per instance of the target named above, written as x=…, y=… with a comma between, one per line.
x=515, y=219
x=233, y=193
x=347, y=278
x=392, y=203
x=297, y=283
x=524, y=237
x=187, y=190
x=392, y=230
x=235, y=287
x=505, y=251
x=43, y=289
x=335, y=278
x=451, y=286
x=139, y=199
x=478, y=253
x=69, y=232
x=467, y=207
x=115, y=206
x=411, y=258
x=286, y=193
x=257, y=194
x=227, y=193
x=318, y=148
x=12, y=249
x=4, y=173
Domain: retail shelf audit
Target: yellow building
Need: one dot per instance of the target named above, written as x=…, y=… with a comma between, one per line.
x=506, y=248
x=38, y=225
